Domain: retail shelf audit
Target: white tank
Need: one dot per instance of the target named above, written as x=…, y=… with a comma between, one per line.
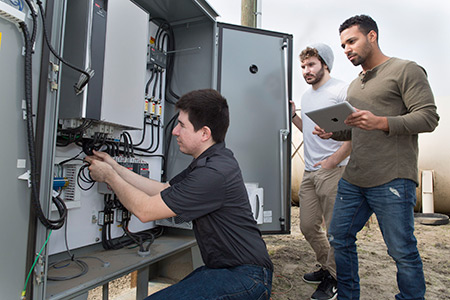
x=434, y=154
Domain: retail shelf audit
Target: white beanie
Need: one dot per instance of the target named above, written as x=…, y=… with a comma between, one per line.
x=325, y=53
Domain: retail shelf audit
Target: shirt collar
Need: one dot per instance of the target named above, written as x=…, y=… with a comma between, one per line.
x=202, y=158
x=365, y=76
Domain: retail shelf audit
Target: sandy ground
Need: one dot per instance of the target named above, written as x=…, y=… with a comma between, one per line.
x=292, y=257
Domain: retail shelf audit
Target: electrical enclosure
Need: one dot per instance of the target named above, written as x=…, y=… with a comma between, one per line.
x=114, y=38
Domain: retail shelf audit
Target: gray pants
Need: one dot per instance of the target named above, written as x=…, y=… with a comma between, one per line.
x=317, y=195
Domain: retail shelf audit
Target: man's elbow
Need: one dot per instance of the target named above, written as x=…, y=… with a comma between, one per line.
x=433, y=123
x=147, y=216
x=144, y=218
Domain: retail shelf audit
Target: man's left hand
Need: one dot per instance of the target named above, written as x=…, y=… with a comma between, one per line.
x=99, y=170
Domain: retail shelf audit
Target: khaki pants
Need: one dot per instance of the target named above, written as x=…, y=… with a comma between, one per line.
x=317, y=195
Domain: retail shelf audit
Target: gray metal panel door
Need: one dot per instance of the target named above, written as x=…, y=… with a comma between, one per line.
x=15, y=196
x=254, y=75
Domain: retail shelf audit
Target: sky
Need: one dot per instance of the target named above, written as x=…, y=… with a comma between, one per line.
x=410, y=29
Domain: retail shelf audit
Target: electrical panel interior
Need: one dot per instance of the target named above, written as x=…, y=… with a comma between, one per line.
x=122, y=113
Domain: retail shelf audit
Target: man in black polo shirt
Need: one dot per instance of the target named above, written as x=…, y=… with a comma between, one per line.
x=210, y=193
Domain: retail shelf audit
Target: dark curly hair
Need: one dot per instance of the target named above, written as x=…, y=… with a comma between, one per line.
x=365, y=23
x=309, y=52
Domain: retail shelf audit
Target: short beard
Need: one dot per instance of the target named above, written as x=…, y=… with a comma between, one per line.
x=318, y=76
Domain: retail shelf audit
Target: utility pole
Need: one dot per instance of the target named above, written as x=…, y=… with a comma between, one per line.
x=251, y=13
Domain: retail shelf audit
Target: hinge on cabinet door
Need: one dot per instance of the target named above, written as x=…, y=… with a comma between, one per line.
x=53, y=76
x=39, y=270
x=284, y=133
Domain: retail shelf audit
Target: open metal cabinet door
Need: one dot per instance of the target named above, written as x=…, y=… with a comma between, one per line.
x=255, y=75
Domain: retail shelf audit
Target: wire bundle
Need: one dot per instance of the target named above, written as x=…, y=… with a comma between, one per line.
x=72, y=135
x=142, y=239
x=34, y=174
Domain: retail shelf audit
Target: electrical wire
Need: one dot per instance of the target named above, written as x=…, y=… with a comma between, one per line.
x=144, y=129
x=34, y=175
x=164, y=26
x=168, y=138
x=152, y=76
x=83, y=266
x=152, y=143
x=70, y=159
x=33, y=15
x=85, y=178
x=32, y=267
x=86, y=74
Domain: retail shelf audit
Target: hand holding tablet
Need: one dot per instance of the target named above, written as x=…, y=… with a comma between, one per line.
x=332, y=118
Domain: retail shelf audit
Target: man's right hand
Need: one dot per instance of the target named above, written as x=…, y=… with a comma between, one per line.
x=292, y=108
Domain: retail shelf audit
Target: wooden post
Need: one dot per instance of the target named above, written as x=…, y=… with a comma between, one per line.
x=248, y=16
x=133, y=281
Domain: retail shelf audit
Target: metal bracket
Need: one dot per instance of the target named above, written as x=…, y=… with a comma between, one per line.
x=284, y=133
x=53, y=76
x=39, y=270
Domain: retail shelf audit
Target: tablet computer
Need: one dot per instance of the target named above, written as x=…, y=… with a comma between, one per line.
x=331, y=118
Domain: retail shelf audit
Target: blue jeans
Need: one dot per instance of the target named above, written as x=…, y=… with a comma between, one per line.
x=393, y=204
x=241, y=282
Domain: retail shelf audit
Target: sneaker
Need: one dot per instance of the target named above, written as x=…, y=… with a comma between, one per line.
x=316, y=277
x=327, y=289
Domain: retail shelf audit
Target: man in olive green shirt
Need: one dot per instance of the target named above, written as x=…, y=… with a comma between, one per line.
x=394, y=104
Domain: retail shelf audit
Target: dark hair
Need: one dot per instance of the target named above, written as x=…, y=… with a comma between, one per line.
x=207, y=108
x=365, y=23
x=311, y=52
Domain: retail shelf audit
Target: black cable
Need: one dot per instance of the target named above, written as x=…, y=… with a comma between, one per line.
x=34, y=18
x=83, y=266
x=144, y=129
x=158, y=139
x=68, y=136
x=130, y=142
x=165, y=26
x=87, y=74
x=156, y=83
x=70, y=159
x=152, y=76
x=82, y=177
x=34, y=175
x=168, y=138
x=160, y=84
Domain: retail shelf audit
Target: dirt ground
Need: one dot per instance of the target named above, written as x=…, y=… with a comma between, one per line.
x=292, y=257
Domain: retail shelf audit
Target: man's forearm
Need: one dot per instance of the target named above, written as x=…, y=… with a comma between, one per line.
x=341, y=153
x=145, y=207
x=149, y=186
